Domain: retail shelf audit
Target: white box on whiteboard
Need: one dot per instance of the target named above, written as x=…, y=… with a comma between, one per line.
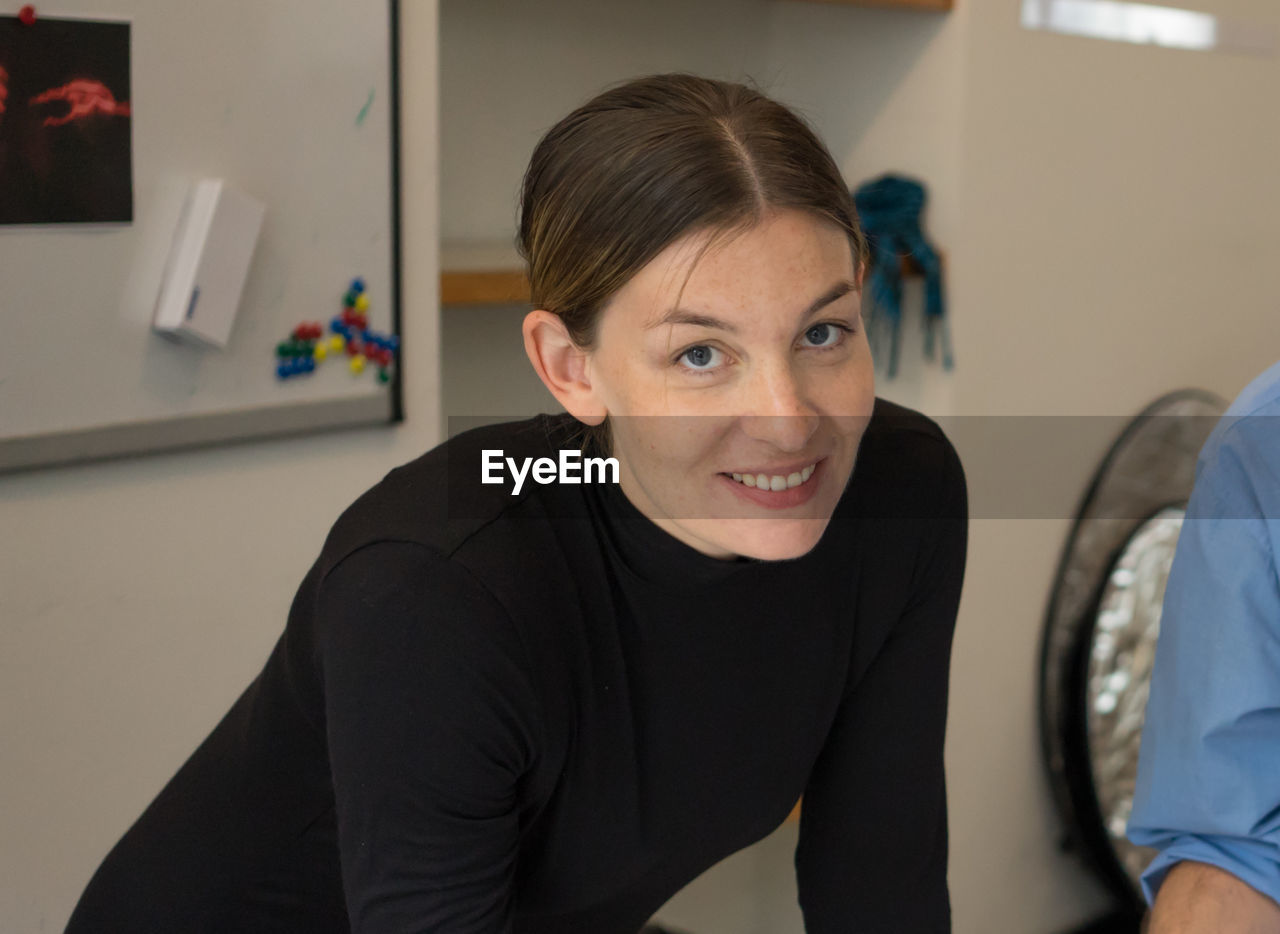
x=208, y=263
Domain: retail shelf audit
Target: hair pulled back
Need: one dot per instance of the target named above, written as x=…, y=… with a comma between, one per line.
x=650, y=160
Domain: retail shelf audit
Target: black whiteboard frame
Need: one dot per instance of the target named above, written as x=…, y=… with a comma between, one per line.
x=186, y=432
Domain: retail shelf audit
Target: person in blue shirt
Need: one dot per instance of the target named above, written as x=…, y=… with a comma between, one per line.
x=1208, y=784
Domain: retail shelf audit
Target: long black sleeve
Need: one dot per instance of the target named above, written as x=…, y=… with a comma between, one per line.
x=872, y=856
x=431, y=722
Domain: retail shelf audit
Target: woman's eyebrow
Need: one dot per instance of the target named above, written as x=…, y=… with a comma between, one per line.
x=697, y=319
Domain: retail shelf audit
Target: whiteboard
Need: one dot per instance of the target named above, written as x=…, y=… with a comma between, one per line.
x=294, y=102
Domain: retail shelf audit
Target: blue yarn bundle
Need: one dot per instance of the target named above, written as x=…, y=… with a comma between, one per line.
x=889, y=209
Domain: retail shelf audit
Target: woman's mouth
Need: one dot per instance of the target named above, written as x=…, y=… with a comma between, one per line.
x=781, y=488
x=776, y=482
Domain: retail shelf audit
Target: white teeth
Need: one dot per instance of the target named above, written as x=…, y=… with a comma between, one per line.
x=777, y=482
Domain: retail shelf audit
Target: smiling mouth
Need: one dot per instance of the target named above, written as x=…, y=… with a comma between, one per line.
x=775, y=483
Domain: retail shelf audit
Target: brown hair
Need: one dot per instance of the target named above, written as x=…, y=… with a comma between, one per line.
x=653, y=159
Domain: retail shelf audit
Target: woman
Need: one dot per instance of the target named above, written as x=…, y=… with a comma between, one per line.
x=546, y=711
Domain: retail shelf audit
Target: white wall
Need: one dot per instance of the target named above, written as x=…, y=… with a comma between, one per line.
x=509, y=70
x=1106, y=210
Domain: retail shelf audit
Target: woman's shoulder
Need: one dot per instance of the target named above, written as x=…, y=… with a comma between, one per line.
x=906, y=466
x=446, y=497
x=891, y=420
x=435, y=545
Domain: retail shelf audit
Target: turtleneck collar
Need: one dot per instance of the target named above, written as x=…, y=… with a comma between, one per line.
x=650, y=552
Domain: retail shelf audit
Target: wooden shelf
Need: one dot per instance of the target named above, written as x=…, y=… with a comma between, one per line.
x=487, y=273
x=936, y=6
x=482, y=274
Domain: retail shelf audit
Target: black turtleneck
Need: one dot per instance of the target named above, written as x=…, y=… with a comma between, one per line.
x=544, y=715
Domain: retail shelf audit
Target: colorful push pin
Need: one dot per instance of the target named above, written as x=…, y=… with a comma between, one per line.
x=336, y=344
x=383, y=375
x=362, y=302
x=293, y=367
x=357, y=363
x=27, y=15
x=349, y=300
x=321, y=351
x=357, y=285
x=338, y=326
x=353, y=348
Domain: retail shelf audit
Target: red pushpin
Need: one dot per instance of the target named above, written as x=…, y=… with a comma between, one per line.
x=27, y=15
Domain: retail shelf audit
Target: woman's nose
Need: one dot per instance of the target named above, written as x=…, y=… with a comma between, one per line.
x=776, y=410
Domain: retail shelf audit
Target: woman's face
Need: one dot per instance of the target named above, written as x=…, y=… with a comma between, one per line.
x=737, y=411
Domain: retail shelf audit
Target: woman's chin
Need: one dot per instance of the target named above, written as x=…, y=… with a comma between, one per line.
x=764, y=539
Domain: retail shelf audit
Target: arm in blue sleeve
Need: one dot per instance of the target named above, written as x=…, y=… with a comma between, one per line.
x=1208, y=785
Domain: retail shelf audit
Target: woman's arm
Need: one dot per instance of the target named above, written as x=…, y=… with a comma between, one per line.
x=431, y=722
x=872, y=855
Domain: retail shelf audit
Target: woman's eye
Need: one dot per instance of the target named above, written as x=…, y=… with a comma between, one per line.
x=701, y=357
x=826, y=334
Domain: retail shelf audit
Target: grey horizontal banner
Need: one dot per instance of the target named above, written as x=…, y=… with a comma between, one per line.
x=1015, y=467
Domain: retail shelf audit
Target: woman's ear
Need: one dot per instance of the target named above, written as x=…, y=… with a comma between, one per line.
x=562, y=366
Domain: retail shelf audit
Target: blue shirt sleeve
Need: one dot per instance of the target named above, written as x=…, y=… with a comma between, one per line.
x=1208, y=784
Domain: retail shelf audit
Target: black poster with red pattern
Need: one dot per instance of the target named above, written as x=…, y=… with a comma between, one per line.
x=65, y=122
